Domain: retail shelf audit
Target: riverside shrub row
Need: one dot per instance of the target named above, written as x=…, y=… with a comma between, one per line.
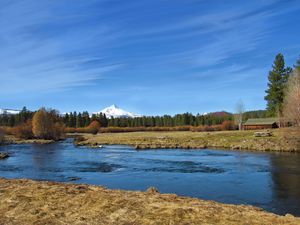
x=226, y=125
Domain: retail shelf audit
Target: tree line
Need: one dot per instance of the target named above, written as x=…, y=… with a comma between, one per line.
x=12, y=120
x=78, y=119
x=83, y=119
x=185, y=119
x=42, y=124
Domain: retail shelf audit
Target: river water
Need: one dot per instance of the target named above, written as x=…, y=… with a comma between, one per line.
x=267, y=180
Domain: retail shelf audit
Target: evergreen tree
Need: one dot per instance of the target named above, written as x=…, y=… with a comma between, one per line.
x=94, y=117
x=278, y=77
x=66, y=120
x=79, y=120
x=72, y=120
x=11, y=121
x=86, y=118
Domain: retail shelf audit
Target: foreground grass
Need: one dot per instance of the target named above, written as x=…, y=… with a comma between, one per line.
x=33, y=202
x=186, y=139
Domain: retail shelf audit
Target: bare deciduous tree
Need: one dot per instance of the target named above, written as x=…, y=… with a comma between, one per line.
x=291, y=110
x=45, y=125
x=292, y=100
x=239, y=113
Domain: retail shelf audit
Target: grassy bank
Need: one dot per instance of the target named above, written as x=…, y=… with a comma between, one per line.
x=186, y=139
x=32, y=202
x=10, y=139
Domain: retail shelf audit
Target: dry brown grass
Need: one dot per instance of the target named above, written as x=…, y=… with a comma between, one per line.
x=32, y=202
x=187, y=139
x=11, y=139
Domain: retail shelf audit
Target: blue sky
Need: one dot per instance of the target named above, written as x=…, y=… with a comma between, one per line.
x=146, y=56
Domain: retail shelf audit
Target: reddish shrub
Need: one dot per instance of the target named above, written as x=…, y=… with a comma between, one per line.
x=70, y=130
x=23, y=130
x=58, y=131
x=228, y=125
x=7, y=130
x=93, y=127
x=141, y=129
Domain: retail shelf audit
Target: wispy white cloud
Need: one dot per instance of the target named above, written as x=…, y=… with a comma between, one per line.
x=225, y=33
x=210, y=21
x=34, y=58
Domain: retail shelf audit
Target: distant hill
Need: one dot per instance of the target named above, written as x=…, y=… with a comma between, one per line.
x=220, y=113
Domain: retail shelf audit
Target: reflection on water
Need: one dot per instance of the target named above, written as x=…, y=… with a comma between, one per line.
x=286, y=179
x=90, y=166
x=267, y=180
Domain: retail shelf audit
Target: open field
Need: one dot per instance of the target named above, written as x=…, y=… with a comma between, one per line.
x=186, y=139
x=33, y=202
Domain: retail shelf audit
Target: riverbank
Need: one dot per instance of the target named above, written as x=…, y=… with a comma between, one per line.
x=241, y=140
x=33, y=202
x=10, y=139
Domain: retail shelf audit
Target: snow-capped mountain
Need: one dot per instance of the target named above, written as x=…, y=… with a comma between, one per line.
x=9, y=111
x=116, y=112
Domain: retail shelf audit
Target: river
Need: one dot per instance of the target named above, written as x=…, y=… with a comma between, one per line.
x=267, y=180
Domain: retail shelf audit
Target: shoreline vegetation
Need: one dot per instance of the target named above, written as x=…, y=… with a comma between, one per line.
x=11, y=139
x=234, y=140
x=43, y=202
x=281, y=140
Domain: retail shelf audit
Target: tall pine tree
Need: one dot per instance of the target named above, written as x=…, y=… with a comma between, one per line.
x=278, y=77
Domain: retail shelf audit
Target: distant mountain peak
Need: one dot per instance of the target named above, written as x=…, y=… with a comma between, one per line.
x=113, y=106
x=116, y=112
x=9, y=111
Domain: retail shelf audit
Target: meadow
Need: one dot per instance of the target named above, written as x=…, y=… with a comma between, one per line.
x=242, y=140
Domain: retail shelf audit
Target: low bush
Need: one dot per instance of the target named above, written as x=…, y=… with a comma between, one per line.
x=1, y=136
x=229, y=125
x=94, y=128
x=23, y=130
x=141, y=129
x=71, y=130
x=226, y=125
x=7, y=130
x=58, y=131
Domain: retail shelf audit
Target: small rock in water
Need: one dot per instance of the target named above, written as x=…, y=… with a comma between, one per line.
x=3, y=155
x=73, y=178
